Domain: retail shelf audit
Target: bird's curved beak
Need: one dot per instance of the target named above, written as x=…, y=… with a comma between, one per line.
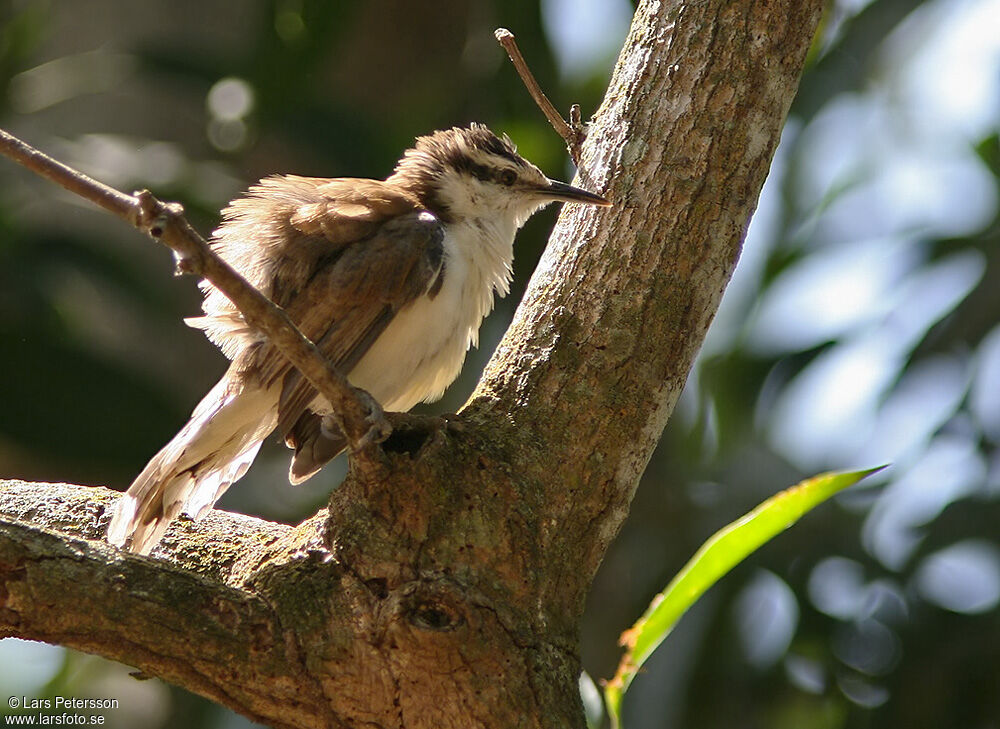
x=556, y=190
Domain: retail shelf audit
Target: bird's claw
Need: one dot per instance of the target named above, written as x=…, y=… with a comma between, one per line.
x=378, y=426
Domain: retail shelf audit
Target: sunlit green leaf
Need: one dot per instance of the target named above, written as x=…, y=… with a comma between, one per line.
x=723, y=551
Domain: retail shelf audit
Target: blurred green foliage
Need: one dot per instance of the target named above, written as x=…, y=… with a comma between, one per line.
x=861, y=327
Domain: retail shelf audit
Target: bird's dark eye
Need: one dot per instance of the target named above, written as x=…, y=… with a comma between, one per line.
x=508, y=177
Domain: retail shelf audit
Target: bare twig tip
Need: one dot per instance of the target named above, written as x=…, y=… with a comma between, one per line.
x=185, y=264
x=575, y=118
x=571, y=133
x=145, y=198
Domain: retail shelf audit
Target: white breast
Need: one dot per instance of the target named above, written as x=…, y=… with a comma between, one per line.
x=422, y=350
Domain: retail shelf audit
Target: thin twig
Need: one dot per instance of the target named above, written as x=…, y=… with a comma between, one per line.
x=362, y=418
x=76, y=182
x=573, y=133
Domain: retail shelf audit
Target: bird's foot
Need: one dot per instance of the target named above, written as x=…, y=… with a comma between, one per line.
x=379, y=427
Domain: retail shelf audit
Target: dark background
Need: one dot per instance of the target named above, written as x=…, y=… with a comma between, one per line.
x=861, y=327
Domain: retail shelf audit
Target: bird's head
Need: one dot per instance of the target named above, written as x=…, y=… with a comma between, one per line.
x=470, y=173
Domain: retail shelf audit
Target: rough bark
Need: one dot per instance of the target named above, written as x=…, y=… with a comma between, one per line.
x=444, y=585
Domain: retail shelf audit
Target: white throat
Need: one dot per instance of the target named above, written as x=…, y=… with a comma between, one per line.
x=485, y=248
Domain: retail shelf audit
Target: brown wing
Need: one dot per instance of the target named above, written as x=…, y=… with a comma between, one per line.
x=287, y=227
x=283, y=232
x=354, y=291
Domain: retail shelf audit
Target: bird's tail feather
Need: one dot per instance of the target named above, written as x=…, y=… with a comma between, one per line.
x=193, y=470
x=316, y=440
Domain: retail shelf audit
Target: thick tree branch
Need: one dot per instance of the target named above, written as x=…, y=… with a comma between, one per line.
x=183, y=618
x=444, y=586
x=362, y=418
x=267, y=620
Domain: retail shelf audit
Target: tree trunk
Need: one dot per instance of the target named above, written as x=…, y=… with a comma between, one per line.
x=444, y=585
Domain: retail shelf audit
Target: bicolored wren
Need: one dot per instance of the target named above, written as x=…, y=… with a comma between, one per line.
x=390, y=279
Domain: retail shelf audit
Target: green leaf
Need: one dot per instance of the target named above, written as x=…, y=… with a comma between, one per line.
x=723, y=551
